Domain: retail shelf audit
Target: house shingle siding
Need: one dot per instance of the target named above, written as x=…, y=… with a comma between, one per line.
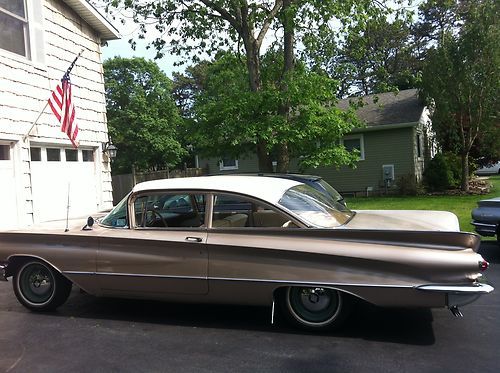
x=25, y=86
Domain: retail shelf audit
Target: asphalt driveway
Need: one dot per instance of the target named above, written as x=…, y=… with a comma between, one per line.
x=88, y=334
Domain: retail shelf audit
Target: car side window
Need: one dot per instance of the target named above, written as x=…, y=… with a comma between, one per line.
x=169, y=210
x=232, y=211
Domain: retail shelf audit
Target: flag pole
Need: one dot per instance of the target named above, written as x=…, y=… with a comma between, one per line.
x=66, y=75
x=36, y=120
x=67, y=210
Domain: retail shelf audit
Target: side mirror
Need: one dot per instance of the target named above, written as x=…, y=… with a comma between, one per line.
x=90, y=223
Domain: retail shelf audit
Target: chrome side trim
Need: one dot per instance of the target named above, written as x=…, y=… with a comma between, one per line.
x=471, y=289
x=478, y=288
x=492, y=226
x=132, y=275
x=294, y=282
x=3, y=272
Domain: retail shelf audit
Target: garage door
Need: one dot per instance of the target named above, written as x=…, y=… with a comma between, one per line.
x=59, y=173
x=8, y=215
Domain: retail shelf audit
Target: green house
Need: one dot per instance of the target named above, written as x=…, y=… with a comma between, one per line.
x=395, y=144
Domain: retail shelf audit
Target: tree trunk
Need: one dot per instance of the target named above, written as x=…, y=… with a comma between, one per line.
x=265, y=163
x=283, y=161
x=283, y=156
x=253, y=62
x=465, y=171
x=253, y=67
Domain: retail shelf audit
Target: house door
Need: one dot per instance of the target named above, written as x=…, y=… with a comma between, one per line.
x=9, y=215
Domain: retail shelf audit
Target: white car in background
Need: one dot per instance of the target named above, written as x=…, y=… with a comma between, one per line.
x=491, y=169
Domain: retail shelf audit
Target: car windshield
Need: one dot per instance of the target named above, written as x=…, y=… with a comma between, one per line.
x=315, y=207
x=118, y=216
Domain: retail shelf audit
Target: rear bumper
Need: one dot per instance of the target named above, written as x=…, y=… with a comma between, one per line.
x=459, y=295
x=485, y=229
x=3, y=272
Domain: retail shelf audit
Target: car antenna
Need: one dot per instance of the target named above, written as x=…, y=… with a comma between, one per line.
x=67, y=210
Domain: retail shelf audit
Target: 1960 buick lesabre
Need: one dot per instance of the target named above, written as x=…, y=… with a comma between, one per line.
x=250, y=240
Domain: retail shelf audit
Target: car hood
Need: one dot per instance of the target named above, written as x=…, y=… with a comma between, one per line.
x=410, y=220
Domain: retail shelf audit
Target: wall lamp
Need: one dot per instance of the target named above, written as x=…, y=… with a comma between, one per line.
x=109, y=149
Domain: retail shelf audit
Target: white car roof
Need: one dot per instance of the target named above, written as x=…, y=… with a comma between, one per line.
x=269, y=189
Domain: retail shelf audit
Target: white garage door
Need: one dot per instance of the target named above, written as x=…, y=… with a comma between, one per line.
x=9, y=213
x=57, y=173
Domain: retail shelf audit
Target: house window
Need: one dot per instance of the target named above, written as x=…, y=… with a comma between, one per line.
x=419, y=145
x=36, y=154
x=228, y=164
x=4, y=152
x=14, y=27
x=71, y=155
x=88, y=155
x=355, y=142
x=53, y=155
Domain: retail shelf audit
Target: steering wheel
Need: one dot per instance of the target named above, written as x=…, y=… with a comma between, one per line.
x=152, y=216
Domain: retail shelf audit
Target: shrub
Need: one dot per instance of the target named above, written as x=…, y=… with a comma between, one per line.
x=438, y=175
x=454, y=163
x=407, y=185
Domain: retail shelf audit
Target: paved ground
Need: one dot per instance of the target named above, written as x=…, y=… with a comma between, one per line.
x=102, y=335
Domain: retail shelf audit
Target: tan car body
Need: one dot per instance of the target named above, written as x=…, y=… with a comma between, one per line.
x=247, y=265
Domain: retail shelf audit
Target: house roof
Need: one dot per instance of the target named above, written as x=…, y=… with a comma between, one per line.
x=388, y=109
x=95, y=19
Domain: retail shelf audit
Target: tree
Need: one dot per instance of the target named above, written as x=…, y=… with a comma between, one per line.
x=143, y=119
x=210, y=25
x=461, y=79
x=228, y=118
x=373, y=56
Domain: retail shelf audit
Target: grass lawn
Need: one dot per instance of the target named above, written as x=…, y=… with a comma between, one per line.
x=459, y=205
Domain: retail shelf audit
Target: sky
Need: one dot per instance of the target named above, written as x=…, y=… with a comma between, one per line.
x=123, y=49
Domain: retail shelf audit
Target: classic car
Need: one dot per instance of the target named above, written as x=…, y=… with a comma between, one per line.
x=250, y=240
x=486, y=217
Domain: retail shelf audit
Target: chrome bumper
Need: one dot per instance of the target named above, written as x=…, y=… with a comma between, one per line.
x=485, y=229
x=3, y=270
x=459, y=295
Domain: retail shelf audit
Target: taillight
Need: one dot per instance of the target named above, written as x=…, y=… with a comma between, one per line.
x=483, y=265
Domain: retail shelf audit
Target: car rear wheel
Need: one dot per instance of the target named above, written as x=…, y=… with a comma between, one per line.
x=315, y=308
x=39, y=287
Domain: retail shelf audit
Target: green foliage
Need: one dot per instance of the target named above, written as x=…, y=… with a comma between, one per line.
x=197, y=27
x=229, y=119
x=143, y=120
x=460, y=81
x=437, y=175
x=373, y=56
x=407, y=185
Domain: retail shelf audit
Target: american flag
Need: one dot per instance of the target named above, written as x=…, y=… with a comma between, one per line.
x=62, y=106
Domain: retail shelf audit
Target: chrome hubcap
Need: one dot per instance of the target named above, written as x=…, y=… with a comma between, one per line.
x=315, y=299
x=36, y=283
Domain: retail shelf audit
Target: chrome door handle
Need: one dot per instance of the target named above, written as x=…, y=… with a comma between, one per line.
x=194, y=239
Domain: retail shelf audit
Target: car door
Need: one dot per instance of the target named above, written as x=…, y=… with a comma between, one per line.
x=244, y=241
x=162, y=251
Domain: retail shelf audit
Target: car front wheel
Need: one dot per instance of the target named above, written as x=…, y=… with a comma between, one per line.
x=39, y=287
x=315, y=308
